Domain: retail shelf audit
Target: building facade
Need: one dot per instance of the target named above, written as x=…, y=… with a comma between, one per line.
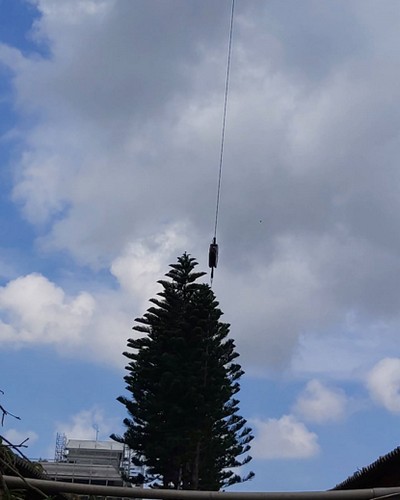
x=104, y=463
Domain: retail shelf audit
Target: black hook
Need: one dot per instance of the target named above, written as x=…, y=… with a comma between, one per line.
x=213, y=256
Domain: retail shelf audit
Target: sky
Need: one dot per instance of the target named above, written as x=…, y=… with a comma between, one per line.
x=110, y=130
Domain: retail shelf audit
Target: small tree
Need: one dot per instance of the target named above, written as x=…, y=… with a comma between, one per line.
x=183, y=424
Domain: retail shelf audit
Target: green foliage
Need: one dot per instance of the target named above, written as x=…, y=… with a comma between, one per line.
x=182, y=378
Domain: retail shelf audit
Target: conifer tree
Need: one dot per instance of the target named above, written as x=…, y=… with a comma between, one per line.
x=183, y=424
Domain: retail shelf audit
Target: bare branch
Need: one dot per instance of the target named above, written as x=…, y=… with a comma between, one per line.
x=5, y=413
x=15, y=447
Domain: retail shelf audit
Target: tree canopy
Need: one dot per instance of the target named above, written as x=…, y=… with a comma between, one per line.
x=183, y=423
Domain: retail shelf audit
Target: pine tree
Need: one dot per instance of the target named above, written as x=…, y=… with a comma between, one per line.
x=183, y=424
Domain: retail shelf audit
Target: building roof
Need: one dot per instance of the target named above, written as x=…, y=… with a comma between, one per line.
x=384, y=472
x=62, y=471
x=94, y=445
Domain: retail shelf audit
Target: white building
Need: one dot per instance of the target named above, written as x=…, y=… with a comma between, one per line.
x=89, y=462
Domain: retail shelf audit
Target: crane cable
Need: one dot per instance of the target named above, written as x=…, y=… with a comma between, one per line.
x=213, y=252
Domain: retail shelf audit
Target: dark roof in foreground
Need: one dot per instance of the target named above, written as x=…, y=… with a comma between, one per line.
x=15, y=465
x=384, y=472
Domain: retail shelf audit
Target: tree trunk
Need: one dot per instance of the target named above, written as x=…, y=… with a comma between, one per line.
x=196, y=467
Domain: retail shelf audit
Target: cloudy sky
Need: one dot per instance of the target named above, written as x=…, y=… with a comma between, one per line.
x=110, y=124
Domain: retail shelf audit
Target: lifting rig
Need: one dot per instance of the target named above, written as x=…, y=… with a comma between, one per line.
x=213, y=250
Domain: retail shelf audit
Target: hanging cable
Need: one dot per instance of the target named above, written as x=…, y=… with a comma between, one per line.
x=213, y=251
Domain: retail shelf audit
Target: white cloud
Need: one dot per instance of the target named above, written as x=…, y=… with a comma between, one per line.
x=341, y=355
x=125, y=142
x=35, y=310
x=318, y=403
x=284, y=438
x=144, y=262
x=83, y=425
x=72, y=12
x=383, y=383
x=17, y=437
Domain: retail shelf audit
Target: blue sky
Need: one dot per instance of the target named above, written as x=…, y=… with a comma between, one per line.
x=110, y=117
